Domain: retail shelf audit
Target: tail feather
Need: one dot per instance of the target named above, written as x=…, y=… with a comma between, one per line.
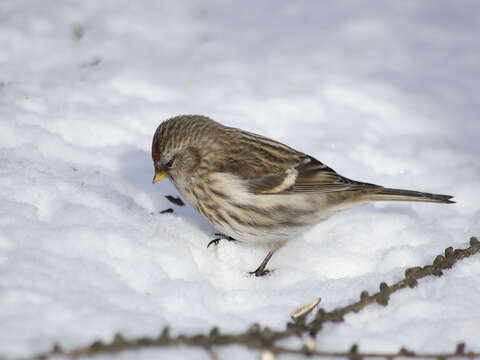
x=387, y=194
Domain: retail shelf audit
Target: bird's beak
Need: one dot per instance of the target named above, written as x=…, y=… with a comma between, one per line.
x=159, y=175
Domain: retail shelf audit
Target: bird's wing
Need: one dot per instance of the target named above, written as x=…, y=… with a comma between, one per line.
x=270, y=167
x=314, y=176
x=309, y=176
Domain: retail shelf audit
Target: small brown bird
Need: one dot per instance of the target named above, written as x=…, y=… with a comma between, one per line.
x=255, y=189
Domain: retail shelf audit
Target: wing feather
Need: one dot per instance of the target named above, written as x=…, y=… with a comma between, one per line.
x=314, y=176
x=270, y=167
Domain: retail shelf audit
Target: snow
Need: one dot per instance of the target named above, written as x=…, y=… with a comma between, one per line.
x=381, y=91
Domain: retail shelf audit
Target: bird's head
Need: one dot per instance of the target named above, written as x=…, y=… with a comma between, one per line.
x=176, y=146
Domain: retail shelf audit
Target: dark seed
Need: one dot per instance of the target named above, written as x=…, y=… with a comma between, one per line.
x=167, y=211
x=175, y=200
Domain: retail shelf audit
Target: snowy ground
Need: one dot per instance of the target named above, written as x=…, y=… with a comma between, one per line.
x=383, y=92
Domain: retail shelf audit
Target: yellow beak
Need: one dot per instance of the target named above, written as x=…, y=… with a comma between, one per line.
x=159, y=176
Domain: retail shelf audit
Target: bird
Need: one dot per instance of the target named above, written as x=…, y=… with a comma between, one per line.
x=254, y=189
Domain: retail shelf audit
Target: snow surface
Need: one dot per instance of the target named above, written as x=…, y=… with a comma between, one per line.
x=382, y=91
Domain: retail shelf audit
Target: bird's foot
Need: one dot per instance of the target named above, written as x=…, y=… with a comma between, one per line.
x=220, y=237
x=261, y=271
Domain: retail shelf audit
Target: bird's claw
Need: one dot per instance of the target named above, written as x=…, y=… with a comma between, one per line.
x=260, y=272
x=214, y=241
x=220, y=237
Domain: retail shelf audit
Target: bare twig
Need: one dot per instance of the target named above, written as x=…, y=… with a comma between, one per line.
x=263, y=338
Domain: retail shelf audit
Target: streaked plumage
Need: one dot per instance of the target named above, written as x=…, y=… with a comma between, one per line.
x=255, y=189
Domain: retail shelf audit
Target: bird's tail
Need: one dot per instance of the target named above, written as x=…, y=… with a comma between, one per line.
x=387, y=194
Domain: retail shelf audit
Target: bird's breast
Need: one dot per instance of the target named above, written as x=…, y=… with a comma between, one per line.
x=260, y=218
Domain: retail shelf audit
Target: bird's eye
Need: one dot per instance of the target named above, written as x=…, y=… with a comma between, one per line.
x=169, y=164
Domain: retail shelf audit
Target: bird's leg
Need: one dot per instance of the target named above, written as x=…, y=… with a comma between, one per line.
x=261, y=271
x=220, y=237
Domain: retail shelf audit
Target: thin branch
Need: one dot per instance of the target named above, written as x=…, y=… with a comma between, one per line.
x=263, y=338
